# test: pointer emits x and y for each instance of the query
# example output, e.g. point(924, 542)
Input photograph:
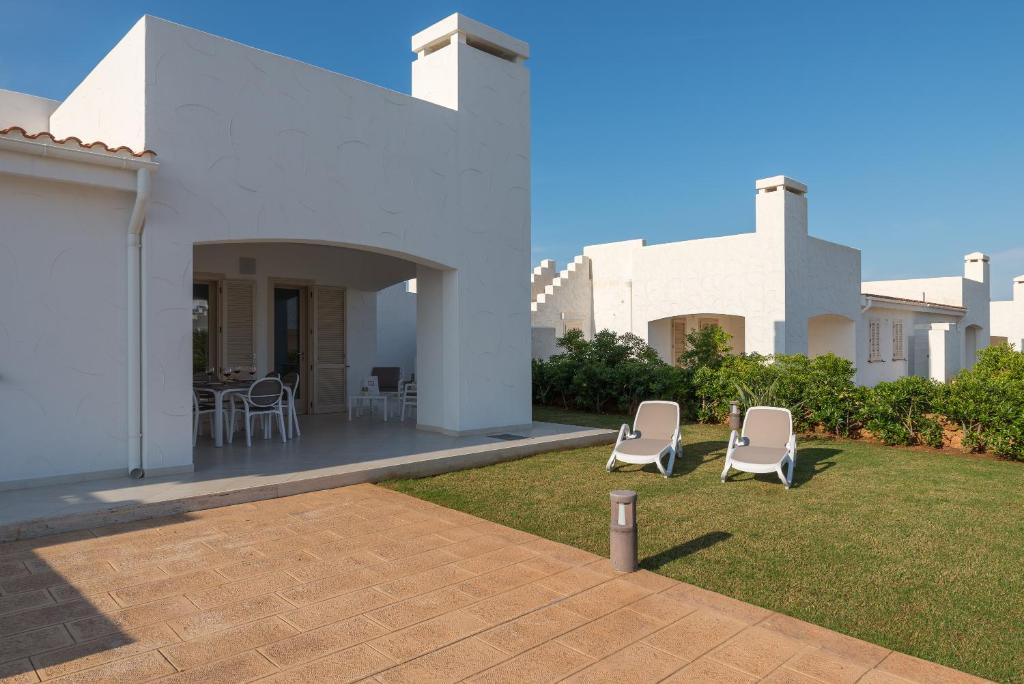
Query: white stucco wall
point(396, 328)
point(775, 278)
point(27, 111)
point(1007, 317)
point(62, 332)
point(255, 147)
point(566, 302)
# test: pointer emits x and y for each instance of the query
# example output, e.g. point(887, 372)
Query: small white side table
point(368, 399)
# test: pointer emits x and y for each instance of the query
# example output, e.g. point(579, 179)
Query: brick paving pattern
point(362, 583)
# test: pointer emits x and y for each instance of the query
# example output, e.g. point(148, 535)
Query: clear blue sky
point(906, 119)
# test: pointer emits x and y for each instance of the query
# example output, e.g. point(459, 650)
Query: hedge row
point(611, 373)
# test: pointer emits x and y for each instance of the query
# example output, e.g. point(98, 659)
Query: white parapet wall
point(1008, 317)
point(565, 304)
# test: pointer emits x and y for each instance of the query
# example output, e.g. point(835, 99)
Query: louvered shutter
point(678, 338)
point(238, 330)
point(329, 376)
point(874, 340)
point(898, 352)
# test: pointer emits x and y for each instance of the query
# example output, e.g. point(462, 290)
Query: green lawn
point(919, 552)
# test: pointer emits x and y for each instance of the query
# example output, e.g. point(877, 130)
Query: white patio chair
point(655, 435)
point(408, 397)
point(291, 381)
point(264, 400)
point(200, 409)
point(766, 444)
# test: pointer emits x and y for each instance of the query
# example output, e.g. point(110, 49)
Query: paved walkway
point(364, 583)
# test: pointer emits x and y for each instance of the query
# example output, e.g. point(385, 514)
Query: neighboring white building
point(1008, 317)
point(778, 290)
point(285, 199)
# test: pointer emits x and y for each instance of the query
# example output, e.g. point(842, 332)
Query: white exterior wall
point(1007, 317)
point(63, 355)
point(396, 328)
point(27, 111)
point(255, 147)
point(566, 302)
point(776, 278)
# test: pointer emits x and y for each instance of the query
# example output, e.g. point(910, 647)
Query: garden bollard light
point(622, 541)
point(734, 416)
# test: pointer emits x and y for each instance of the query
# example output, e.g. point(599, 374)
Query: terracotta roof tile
point(15, 131)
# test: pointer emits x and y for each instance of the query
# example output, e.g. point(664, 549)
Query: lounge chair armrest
point(623, 434)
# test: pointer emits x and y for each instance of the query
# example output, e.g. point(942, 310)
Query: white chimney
point(781, 206)
point(976, 267)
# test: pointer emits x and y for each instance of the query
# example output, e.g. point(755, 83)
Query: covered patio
point(331, 452)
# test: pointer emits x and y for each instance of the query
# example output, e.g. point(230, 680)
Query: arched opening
point(668, 335)
point(831, 333)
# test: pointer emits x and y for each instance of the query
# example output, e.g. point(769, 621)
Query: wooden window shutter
point(238, 330)
point(678, 339)
point(874, 340)
point(898, 353)
point(329, 362)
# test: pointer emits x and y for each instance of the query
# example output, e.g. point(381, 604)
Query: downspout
point(136, 376)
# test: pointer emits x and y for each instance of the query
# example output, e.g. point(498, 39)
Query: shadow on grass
point(692, 457)
point(810, 462)
point(683, 550)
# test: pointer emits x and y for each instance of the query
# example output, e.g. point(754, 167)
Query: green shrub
point(902, 412)
point(987, 401)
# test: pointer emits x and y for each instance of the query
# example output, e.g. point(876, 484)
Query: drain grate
point(506, 436)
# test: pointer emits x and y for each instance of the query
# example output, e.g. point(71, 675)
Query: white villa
point(277, 209)
point(1008, 317)
point(778, 290)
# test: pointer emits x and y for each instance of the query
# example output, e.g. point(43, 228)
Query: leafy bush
point(987, 401)
point(903, 412)
point(616, 372)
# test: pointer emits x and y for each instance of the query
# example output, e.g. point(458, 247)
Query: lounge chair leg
point(725, 470)
point(611, 463)
point(782, 475)
point(792, 465)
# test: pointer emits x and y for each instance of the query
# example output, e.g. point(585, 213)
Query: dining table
point(219, 390)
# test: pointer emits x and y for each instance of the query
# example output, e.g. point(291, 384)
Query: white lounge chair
point(766, 444)
point(655, 435)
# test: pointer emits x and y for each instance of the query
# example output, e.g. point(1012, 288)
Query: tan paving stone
point(449, 664)
point(239, 591)
point(245, 667)
point(756, 650)
point(784, 675)
point(663, 607)
point(93, 587)
point(635, 663)
point(562, 552)
point(337, 608)
point(18, 672)
point(502, 579)
point(738, 610)
point(604, 598)
point(424, 637)
point(493, 560)
point(917, 670)
point(169, 586)
point(106, 649)
point(695, 634)
point(138, 668)
point(349, 665)
point(24, 601)
point(533, 629)
point(608, 634)
point(422, 607)
point(827, 666)
point(27, 644)
point(320, 642)
point(222, 617)
point(880, 677)
point(259, 566)
point(130, 618)
point(230, 642)
point(12, 568)
point(707, 671)
point(512, 604)
point(846, 647)
point(575, 580)
point(549, 662)
point(427, 580)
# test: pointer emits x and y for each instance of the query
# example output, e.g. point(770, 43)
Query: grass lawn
point(919, 552)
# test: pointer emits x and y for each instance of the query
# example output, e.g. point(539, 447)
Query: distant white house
point(1008, 317)
point(274, 225)
point(778, 290)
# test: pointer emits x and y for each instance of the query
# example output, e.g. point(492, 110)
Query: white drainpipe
point(136, 369)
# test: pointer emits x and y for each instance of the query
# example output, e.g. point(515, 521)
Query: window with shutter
point(329, 371)
point(898, 353)
point(238, 298)
point(874, 340)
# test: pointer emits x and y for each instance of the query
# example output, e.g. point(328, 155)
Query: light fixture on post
point(622, 541)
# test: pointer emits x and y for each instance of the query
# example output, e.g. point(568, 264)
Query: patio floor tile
point(366, 584)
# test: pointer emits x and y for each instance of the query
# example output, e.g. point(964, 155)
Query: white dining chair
point(264, 400)
point(408, 397)
point(200, 409)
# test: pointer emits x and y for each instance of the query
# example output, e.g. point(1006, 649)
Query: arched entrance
point(668, 335)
